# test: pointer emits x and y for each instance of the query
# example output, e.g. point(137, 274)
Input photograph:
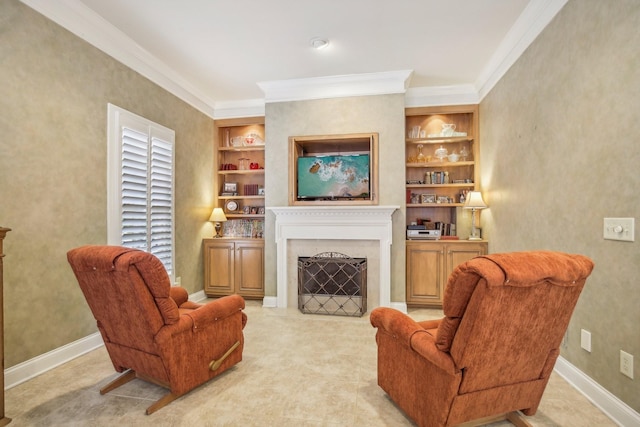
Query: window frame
point(119, 118)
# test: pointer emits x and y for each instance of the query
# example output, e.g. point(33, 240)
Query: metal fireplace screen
point(332, 283)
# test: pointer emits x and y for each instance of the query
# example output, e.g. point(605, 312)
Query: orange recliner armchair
point(149, 328)
point(493, 352)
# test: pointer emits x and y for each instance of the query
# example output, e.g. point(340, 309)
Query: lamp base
point(474, 238)
point(218, 227)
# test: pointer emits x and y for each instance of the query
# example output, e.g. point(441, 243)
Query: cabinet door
point(425, 270)
point(219, 261)
point(250, 268)
point(459, 253)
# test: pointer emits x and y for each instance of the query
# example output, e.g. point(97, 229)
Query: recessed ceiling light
point(318, 43)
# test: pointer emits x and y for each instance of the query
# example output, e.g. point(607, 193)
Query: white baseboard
point(270, 302)
point(198, 296)
point(40, 364)
point(400, 306)
point(621, 413)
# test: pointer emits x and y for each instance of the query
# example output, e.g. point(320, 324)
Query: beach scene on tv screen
point(343, 176)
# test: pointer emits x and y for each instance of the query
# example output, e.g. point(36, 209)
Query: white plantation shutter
point(133, 179)
point(141, 183)
point(161, 202)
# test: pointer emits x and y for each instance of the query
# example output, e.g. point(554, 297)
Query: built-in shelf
point(440, 140)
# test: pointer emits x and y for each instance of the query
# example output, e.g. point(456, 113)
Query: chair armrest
point(395, 323)
point(215, 310)
point(178, 294)
point(425, 345)
point(413, 335)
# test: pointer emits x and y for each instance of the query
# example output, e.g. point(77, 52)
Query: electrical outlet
point(585, 340)
point(626, 363)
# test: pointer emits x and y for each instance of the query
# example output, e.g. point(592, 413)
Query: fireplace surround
point(344, 223)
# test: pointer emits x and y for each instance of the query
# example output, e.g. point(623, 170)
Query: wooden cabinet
point(441, 150)
point(240, 146)
point(234, 266)
point(429, 264)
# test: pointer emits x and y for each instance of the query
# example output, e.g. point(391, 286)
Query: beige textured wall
point(560, 151)
point(383, 114)
point(54, 92)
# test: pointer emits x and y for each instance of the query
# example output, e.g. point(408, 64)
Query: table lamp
point(474, 202)
point(217, 216)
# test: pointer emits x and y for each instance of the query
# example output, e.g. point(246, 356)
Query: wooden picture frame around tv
point(340, 146)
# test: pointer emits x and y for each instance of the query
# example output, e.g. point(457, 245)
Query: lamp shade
point(474, 201)
point(217, 215)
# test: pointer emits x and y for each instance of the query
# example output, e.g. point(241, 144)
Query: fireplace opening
point(332, 283)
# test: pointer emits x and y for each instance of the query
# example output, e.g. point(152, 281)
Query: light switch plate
point(585, 340)
point(619, 229)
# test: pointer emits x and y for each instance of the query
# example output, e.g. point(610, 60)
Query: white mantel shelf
point(335, 223)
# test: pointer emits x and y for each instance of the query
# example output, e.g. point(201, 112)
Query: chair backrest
point(128, 291)
point(506, 315)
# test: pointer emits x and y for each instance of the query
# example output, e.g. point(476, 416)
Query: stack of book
point(251, 189)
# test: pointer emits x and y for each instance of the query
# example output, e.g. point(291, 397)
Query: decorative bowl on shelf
point(441, 153)
point(453, 157)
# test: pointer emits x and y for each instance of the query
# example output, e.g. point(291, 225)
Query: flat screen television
point(334, 177)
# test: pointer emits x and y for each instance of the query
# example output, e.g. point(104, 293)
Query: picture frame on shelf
point(261, 191)
point(246, 210)
point(261, 210)
point(230, 187)
point(428, 198)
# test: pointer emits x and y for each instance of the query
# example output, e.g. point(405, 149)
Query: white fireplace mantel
point(337, 223)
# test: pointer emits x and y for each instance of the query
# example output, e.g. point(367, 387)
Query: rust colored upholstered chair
point(149, 328)
point(493, 352)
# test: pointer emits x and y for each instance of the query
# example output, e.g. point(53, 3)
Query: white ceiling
point(218, 51)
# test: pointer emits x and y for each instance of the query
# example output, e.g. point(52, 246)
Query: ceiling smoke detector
point(318, 43)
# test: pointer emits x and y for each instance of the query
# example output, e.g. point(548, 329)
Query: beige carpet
point(298, 370)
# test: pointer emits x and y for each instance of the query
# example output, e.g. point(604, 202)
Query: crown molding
point(89, 26)
point(336, 86)
point(533, 20)
point(441, 95)
point(77, 18)
point(242, 108)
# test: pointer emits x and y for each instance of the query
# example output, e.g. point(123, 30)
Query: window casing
point(140, 185)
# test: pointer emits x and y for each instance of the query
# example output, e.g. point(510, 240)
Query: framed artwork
point(428, 198)
point(230, 187)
